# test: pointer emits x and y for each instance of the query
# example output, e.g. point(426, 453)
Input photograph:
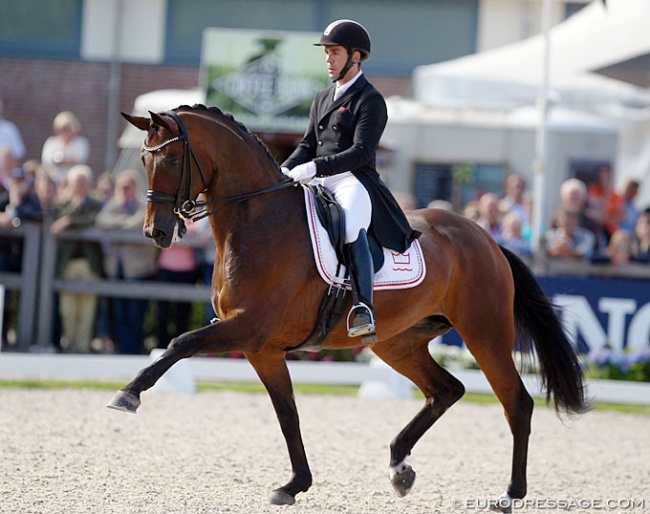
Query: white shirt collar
point(342, 89)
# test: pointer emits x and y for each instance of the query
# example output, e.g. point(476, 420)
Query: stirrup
point(366, 328)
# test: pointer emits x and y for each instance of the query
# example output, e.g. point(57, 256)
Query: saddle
point(331, 215)
point(334, 302)
point(327, 231)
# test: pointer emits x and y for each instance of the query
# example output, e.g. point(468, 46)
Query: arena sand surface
point(62, 451)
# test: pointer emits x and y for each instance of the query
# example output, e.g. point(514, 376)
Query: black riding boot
point(361, 320)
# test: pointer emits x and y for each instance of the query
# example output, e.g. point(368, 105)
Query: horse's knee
point(181, 347)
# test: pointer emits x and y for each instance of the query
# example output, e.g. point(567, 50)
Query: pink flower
point(342, 109)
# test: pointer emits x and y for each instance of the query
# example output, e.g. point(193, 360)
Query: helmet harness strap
point(347, 66)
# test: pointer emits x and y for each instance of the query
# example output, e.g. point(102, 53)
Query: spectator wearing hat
point(18, 204)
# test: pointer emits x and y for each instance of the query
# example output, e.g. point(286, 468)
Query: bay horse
point(266, 292)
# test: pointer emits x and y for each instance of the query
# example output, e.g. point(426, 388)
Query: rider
point(338, 152)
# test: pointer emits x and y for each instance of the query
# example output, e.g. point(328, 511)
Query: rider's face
point(336, 57)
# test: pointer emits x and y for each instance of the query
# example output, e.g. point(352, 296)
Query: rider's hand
point(303, 172)
point(285, 171)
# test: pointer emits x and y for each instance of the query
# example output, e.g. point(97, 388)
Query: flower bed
point(605, 363)
point(610, 364)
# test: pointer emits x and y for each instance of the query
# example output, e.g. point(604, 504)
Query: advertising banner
point(266, 80)
point(597, 312)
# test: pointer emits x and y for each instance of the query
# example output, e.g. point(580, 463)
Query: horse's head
point(174, 175)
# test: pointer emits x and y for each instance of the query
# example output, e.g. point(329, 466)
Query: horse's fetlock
point(517, 491)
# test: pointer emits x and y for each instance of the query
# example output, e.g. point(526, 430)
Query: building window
point(34, 28)
point(457, 183)
point(417, 31)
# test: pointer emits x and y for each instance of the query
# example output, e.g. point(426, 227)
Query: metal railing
point(38, 282)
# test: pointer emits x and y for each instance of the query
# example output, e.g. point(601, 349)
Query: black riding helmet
point(349, 34)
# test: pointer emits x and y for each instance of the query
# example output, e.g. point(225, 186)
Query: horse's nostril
point(157, 234)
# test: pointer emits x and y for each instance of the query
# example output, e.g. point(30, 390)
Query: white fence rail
point(375, 378)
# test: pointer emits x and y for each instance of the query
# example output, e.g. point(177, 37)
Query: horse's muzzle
point(160, 238)
point(165, 236)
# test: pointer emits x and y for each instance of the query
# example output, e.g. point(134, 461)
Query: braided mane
point(238, 124)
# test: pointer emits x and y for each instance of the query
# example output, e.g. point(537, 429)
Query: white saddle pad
point(400, 270)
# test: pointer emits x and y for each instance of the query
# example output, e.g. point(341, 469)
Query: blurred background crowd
point(462, 92)
point(61, 191)
point(594, 223)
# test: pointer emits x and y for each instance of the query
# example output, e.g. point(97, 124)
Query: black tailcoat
point(343, 135)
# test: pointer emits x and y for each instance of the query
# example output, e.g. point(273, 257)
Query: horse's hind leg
point(500, 371)
point(409, 355)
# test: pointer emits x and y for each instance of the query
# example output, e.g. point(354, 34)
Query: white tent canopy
point(594, 38)
point(509, 78)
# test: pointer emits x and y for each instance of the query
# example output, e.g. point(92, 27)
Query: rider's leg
point(356, 204)
point(361, 276)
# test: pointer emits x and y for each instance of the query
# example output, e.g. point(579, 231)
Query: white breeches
point(354, 200)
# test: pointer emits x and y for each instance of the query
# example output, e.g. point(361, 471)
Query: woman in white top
point(66, 148)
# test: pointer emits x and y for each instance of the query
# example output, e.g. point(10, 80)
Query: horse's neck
point(277, 213)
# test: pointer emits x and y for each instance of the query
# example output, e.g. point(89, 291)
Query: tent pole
point(539, 164)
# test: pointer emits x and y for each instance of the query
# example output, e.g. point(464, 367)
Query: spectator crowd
point(593, 223)
point(62, 192)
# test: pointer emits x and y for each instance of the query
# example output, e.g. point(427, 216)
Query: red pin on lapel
point(342, 109)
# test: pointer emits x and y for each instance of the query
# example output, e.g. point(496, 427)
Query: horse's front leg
point(220, 337)
point(274, 374)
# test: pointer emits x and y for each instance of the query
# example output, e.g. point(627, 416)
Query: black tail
point(538, 325)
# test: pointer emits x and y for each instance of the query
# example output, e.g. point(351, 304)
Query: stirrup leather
point(362, 330)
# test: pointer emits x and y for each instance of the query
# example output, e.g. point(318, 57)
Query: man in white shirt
point(12, 148)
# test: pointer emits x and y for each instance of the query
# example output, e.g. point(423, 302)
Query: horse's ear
point(137, 121)
point(158, 120)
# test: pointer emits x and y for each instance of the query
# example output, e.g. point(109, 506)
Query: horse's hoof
point(279, 497)
point(125, 402)
point(402, 479)
point(503, 504)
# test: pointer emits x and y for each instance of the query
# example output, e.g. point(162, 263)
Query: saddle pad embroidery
point(400, 270)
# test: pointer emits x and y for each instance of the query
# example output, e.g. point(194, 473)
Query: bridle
point(184, 205)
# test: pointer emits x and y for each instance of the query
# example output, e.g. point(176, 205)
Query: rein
point(184, 205)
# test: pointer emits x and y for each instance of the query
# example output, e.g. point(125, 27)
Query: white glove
point(303, 173)
point(285, 171)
